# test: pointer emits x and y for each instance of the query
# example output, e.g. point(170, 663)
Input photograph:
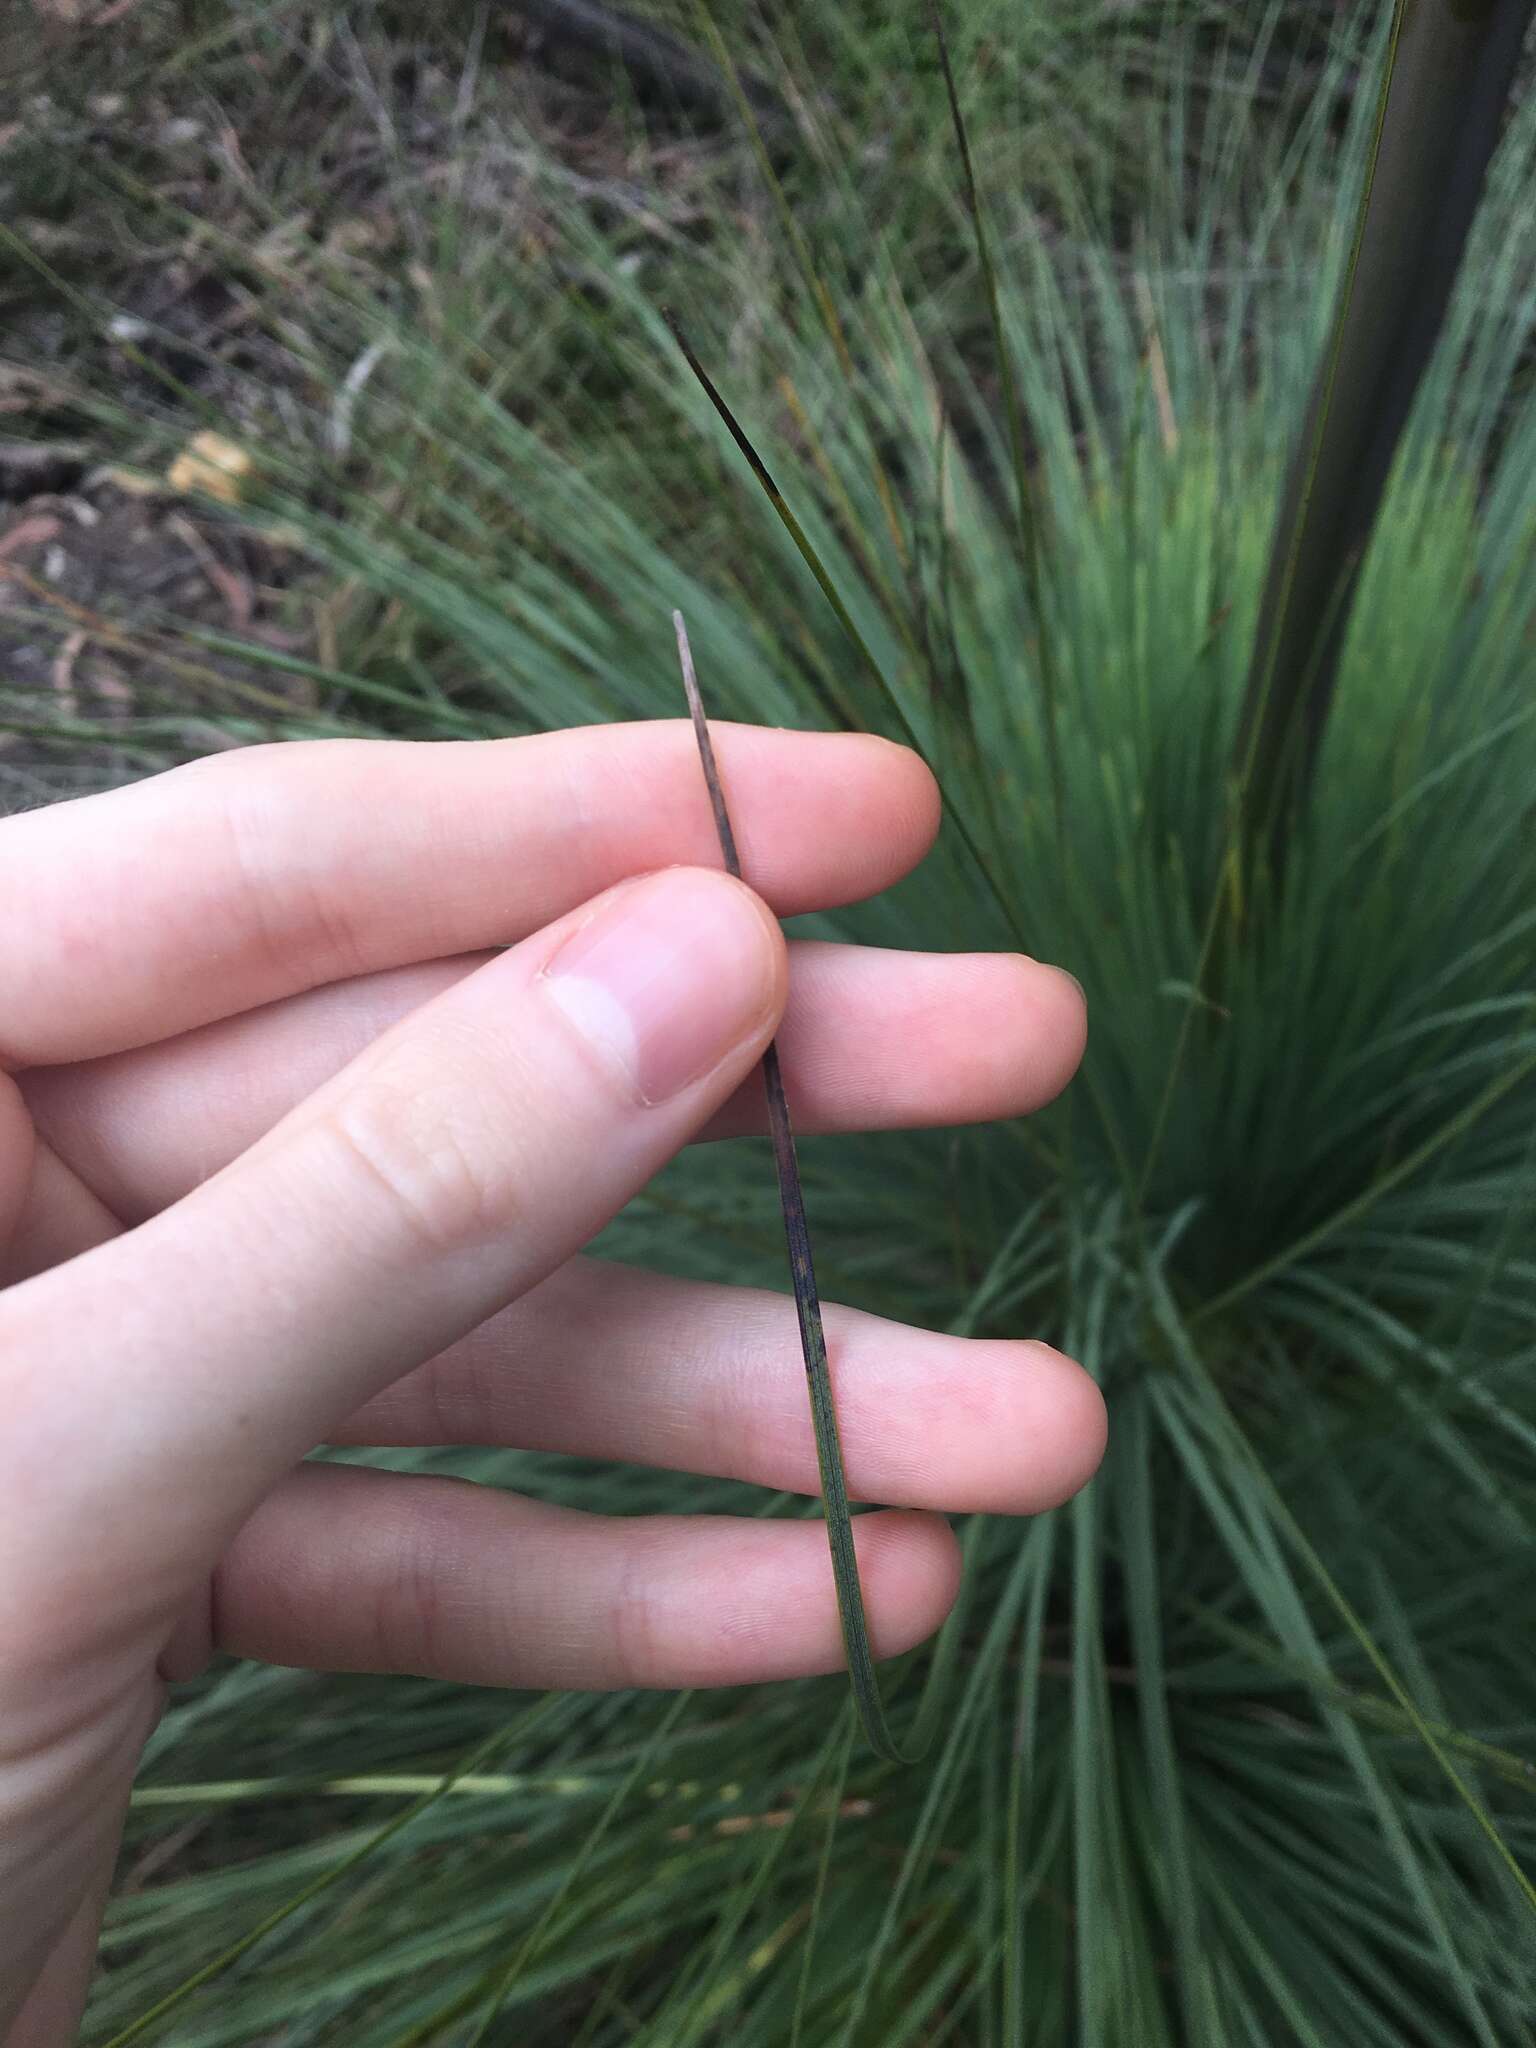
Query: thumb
point(177, 1371)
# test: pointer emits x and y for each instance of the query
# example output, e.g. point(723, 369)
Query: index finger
point(233, 881)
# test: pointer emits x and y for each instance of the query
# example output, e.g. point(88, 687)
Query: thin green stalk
point(823, 1871)
point(392, 1785)
point(1019, 1806)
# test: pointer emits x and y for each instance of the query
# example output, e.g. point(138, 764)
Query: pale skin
point(319, 1064)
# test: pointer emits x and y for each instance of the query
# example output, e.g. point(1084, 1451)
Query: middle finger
point(607, 1361)
point(871, 1040)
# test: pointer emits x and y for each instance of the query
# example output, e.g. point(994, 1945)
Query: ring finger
point(345, 1569)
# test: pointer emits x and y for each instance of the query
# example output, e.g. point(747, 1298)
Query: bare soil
point(157, 180)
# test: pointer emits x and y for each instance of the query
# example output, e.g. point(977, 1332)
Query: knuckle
point(424, 1152)
point(639, 1657)
point(289, 919)
point(413, 1599)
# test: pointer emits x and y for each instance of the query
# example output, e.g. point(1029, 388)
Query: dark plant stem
point(813, 1343)
point(1450, 65)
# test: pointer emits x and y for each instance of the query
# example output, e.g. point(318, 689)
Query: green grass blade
point(493, 1745)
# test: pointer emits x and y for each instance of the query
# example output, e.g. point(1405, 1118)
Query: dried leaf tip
point(706, 749)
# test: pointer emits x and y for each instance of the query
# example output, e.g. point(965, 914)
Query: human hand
point(285, 1160)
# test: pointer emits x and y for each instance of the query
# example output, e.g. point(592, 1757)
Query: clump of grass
point(1237, 1747)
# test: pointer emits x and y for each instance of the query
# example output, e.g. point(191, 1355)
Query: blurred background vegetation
point(335, 397)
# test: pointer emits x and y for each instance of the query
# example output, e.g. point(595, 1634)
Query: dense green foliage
point(1232, 1749)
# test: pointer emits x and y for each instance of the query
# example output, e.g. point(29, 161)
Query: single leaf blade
point(813, 1343)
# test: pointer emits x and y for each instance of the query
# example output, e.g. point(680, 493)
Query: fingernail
point(667, 977)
